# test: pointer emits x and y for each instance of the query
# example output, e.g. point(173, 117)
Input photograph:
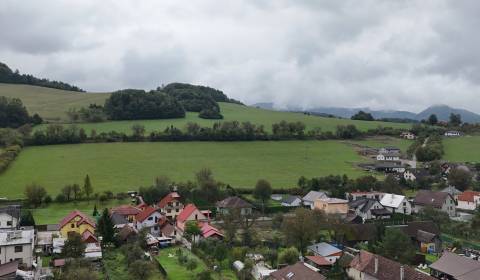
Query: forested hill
point(182, 88)
point(14, 77)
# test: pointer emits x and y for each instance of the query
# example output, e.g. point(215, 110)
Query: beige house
point(17, 245)
point(332, 206)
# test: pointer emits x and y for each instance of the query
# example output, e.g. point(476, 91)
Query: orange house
point(332, 206)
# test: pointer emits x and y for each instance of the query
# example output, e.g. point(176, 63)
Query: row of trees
point(14, 114)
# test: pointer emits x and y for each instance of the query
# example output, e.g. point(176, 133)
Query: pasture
point(121, 167)
point(462, 149)
point(383, 141)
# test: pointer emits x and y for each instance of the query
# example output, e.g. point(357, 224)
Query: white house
point(452, 133)
point(291, 201)
point(367, 208)
point(17, 245)
point(414, 174)
point(468, 200)
point(440, 200)
point(408, 135)
point(388, 156)
point(149, 218)
point(9, 217)
point(311, 196)
point(396, 203)
point(323, 249)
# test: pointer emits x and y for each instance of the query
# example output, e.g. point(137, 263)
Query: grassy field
point(52, 104)
point(462, 149)
point(175, 271)
point(126, 166)
point(378, 142)
point(55, 212)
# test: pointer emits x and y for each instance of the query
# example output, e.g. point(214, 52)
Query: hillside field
point(462, 149)
point(52, 104)
point(126, 166)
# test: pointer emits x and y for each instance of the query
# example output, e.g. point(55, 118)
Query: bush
point(60, 198)
point(121, 196)
point(47, 199)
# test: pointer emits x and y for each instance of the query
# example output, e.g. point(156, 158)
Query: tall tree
point(74, 246)
point(138, 130)
point(460, 178)
point(87, 187)
point(301, 228)
point(288, 256)
point(105, 227)
point(397, 245)
point(34, 194)
point(262, 192)
point(192, 229)
point(455, 119)
point(26, 219)
point(77, 191)
point(432, 119)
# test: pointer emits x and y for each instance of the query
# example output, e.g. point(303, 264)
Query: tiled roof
point(125, 232)
point(186, 212)
point(386, 268)
point(83, 219)
point(461, 268)
point(126, 210)
point(319, 260)
point(208, 230)
point(145, 213)
point(431, 198)
point(468, 196)
point(168, 198)
point(233, 202)
point(311, 196)
point(297, 271)
point(7, 269)
point(88, 236)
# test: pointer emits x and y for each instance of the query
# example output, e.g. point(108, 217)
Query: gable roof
point(324, 249)
point(459, 267)
point(233, 202)
point(125, 232)
point(208, 230)
point(89, 237)
point(168, 198)
point(363, 204)
point(451, 190)
point(126, 210)
point(392, 200)
point(387, 269)
point(12, 210)
point(145, 213)
point(297, 271)
point(8, 268)
point(319, 260)
point(118, 219)
point(186, 212)
point(290, 199)
point(468, 196)
point(431, 198)
point(83, 219)
point(311, 196)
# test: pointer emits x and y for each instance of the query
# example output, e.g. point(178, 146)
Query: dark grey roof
point(381, 212)
point(461, 268)
point(118, 219)
point(12, 210)
point(233, 202)
point(425, 237)
point(365, 204)
point(388, 164)
point(290, 199)
point(431, 198)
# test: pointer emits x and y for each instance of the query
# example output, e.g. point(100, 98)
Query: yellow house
point(80, 223)
point(333, 206)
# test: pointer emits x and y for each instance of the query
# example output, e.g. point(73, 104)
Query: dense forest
point(13, 114)
point(14, 77)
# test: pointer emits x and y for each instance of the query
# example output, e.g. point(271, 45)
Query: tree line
point(14, 77)
point(13, 114)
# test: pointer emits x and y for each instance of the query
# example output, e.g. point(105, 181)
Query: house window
point(155, 228)
point(72, 225)
point(9, 223)
point(150, 218)
point(196, 217)
point(169, 211)
point(18, 249)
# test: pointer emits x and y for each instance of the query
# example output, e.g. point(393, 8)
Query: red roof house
point(171, 205)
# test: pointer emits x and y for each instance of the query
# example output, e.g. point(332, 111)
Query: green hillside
point(125, 166)
point(52, 104)
point(462, 149)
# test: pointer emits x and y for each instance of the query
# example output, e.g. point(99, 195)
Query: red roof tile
point(145, 213)
point(186, 212)
point(319, 260)
point(168, 198)
point(468, 196)
point(88, 237)
point(83, 219)
point(208, 230)
point(126, 210)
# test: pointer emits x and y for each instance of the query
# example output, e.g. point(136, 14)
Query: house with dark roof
point(390, 166)
point(454, 267)
point(367, 209)
point(425, 235)
point(149, 218)
point(291, 201)
point(468, 200)
point(365, 194)
point(298, 271)
point(439, 200)
point(127, 234)
point(171, 205)
point(415, 174)
point(8, 271)
point(366, 265)
point(10, 216)
point(128, 212)
point(234, 203)
point(119, 220)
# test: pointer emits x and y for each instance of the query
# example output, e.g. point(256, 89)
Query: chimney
point(376, 265)
point(402, 273)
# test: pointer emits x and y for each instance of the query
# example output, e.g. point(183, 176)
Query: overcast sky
point(378, 54)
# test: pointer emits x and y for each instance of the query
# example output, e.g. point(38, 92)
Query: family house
point(390, 166)
point(128, 212)
point(17, 245)
point(388, 156)
point(298, 271)
point(234, 203)
point(311, 196)
point(191, 213)
point(438, 200)
point(396, 203)
point(291, 201)
point(389, 149)
point(149, 219)
point(119, 221)
point(452, 133)
point(454, 192)
point(371, 194)
point(367, 208)
point(454, 267)
point(332, 206)
point(80, 223)
point(408, 135)
point(366, 265)
point(415, 174)
point(44, 240)
point(10, 216)
point(171, 205)
point(468, 200)
point(323, 249)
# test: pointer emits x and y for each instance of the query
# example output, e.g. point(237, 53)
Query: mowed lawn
point(384, 141)
point(462, 149)
point(126, 166)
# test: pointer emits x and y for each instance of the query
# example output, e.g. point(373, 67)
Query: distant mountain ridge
point(442, 111)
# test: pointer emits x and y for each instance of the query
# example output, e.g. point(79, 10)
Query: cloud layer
point(380, 54)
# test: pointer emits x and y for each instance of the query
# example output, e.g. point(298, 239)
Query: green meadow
point(462, 149)
point(126, 166)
